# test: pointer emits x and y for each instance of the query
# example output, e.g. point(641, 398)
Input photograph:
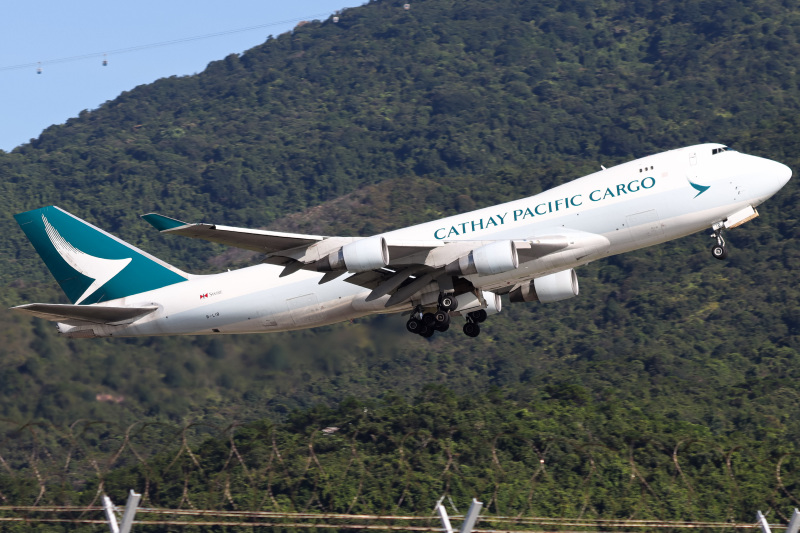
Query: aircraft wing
point(412, 263)
point(250, 239)
point(83, 315)
point(273, 242)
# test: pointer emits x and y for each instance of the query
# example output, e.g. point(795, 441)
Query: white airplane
point(456, 266)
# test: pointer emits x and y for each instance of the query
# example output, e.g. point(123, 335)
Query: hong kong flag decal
point(202, 296)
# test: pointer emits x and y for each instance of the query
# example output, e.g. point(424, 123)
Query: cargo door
point(303, 309)
point(644, 226)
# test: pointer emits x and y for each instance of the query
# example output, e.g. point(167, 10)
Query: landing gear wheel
point(441, 317)
point(471, 329)
point(442, 327)
point(719, 252)
point(448, 302)
point(414, 325)
point(429, 319)
point(428, 332)
point(479, 316)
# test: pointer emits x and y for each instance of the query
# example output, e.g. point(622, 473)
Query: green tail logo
point(89, 264)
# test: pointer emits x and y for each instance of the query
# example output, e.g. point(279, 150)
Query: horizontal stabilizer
point(82, 315)
point(249, 239)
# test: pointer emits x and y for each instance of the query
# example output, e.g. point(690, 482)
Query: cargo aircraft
point(458, 266)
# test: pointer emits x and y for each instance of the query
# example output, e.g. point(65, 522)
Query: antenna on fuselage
point(602, 167)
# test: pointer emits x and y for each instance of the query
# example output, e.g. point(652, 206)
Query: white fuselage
point(627, 207)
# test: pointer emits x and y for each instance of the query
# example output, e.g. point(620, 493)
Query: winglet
point(162, 223)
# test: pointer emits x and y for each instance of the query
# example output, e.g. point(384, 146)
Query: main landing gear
point(426, 324)
point(471, 328)
point(719, 250)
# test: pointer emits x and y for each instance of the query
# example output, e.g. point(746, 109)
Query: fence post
point(443, 516)
point(108, 507)
point(472, 516)
point(794, 523)
point(130, 512)
point(127, 517)
point(762, 522)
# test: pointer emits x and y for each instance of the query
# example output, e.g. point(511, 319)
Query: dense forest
point(392, 116)
point(571, 457)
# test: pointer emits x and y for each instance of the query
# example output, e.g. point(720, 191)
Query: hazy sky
point(49, 31)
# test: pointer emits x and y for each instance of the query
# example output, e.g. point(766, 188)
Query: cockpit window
point(716, 151)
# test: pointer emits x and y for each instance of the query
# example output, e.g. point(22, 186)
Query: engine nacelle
point(552, 288)
point(494, 258)
point(494, 304)
point(359, 256)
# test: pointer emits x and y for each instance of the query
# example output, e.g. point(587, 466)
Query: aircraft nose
point(766, 177)
point(782, 173)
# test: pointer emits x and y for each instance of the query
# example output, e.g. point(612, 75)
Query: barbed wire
point(145, 516)
point(266, 472)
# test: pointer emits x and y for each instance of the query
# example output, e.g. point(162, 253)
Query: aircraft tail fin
point(91, 265)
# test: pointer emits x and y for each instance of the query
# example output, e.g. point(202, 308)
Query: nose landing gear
point(719, 250)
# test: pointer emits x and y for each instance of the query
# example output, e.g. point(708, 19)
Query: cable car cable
point(157, 45)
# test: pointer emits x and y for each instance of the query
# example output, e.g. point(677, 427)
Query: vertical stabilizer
point(91, 265)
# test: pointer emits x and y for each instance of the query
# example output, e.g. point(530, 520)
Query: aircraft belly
point(249, 300)
point(275, 312)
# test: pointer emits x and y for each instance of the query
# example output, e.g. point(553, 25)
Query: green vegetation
point(391, 117)
point(558, 454)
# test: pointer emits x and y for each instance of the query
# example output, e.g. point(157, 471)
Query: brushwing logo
point(699, 188)
point(100, 270)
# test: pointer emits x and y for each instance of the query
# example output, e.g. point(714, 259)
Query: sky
point(70, 38)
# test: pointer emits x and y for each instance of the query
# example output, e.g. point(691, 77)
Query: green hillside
point(563, 456)
point(394, 116)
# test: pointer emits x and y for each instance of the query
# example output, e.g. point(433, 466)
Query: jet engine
point(552, 288)
point(494, 258)
point(494, 304)
point(358, 256)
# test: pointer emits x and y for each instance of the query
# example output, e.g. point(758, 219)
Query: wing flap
point(83, 315)
point(370, 279)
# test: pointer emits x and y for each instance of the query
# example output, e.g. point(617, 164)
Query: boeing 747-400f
point(456, 266)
